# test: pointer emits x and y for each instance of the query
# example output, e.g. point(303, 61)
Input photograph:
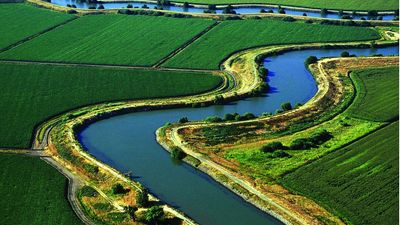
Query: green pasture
point(358, 182)
point(231, 36)
point(33, 93)
point(111, 39)
point(33, 193)
point(19, 21)
point(378, 94)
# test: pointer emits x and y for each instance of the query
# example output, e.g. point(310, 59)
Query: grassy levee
point(111, 39)
point(231, 36)
point(33, 93)
point(20, 21)
point(358, 182)
point(323, 4)
point(32, 193)
point(377, 97)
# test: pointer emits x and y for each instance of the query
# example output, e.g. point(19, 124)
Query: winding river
point(238, 10)
point(127, 143)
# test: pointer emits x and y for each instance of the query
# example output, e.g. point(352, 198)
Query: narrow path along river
point(238, 10)
point(127, 143)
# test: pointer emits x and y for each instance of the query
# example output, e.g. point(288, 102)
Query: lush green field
point(33, 93)
point(19, 21)
point(358, 182)
point(378, 94)
point(111, 39)
point(32, 193)
point(231, 36)
point(323, 4)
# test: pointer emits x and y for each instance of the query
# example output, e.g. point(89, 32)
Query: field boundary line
point(185, 45)
point(111, 66)
point(22, 41)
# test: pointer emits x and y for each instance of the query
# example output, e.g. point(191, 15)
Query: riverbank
point(159, 12)
point(69, 124)
point(303, 210)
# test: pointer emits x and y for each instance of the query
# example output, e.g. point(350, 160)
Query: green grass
point(33, 193)
point(327, 4)
point(358, 182)
point(33, 93)
point(231, 36)
point(111, 39)
point(19, 21)
point(377, 97)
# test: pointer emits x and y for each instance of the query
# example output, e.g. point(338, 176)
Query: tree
point(311, 60)
point(183, 120)
point(212, 7)
point(129, 6)
point(281, 11)
point(131, 211)
point(248, 116)
point(304, 14)
point(271, 147)
point(219, 99)
point(142, 198)
point(177, 153)
point(324, 12)
point(154, 215)
point(280, 154)
point(185, 5)
point(100, 6)
point(286, 106)
point(118, 189)
point(228, 117)
point(345, 54)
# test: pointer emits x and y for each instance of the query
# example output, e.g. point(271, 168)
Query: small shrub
point(183, 120)
point(118, 189)
point(311, 60)
point(154, 215)
point(88, 191)
point(229, 117)
point(286, 106)
point(271, 147)
point(142, 198)
point(280, 154)
point(289, 19)
point(213, 119)
point(219, 99)
point(345, 54)
point(177, 153)
point(71, 11)
point(129, 6)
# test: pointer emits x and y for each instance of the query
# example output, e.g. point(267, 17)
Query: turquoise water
point(127, 143)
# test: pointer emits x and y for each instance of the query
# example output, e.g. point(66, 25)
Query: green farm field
point(359, 182)
point(33, 193)
point(111, 39)
point(34, 93)
point(377, 97)
point(322, 4)
point(230, 36)
point(19, 21)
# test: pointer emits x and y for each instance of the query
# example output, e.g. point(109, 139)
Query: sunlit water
point(127, 143)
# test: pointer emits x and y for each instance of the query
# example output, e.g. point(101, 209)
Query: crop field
point(323, 4)
point(32, 193)
point(19, 21)
point(231, 36)
point(358, 182)
point(111, 39)
point(378, 97)
point(33, 93)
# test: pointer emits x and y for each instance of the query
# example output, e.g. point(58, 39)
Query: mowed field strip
point(210, 49)
point(323, 4)
point(32, 192)
point(359, 182)
point(376, 101)
point(111, 39)
point(20, 21)
point(34, 93)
